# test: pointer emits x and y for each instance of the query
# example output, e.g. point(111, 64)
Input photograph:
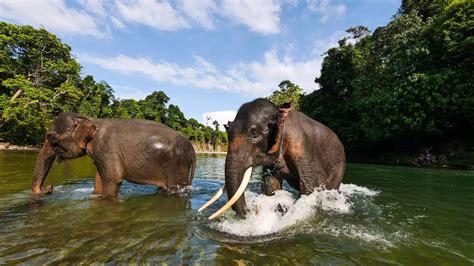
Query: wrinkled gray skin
point(303, 151)
point(139, 151)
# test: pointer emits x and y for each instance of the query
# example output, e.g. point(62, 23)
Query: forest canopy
point(402, 87)
point(409, 82)
point(39, 78)
point(398, 88)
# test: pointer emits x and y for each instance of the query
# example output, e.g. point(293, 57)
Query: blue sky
point(208, 56)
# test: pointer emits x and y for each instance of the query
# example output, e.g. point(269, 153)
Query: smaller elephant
point(298, 149)
point(139, 151)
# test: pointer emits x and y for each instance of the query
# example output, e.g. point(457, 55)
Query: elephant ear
point(228, 125)
point(83, 131)
point(52, 137)
point(283, 112)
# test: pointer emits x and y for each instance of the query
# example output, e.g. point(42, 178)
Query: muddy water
point(381, 215)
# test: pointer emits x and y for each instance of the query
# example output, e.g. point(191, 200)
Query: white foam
point(351, 189)
point(265, 218)
point(357, 232)
point(84, 190)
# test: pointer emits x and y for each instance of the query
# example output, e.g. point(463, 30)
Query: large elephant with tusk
point(140, 151)
point(300, 150)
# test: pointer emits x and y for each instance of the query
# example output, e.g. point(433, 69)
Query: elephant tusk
point(213, 199)
point(240, 191)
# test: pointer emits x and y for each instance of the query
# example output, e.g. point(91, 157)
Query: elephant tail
point(192, 169)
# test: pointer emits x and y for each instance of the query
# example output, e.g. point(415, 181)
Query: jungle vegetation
point(398, 89)
point(403, 87)
point(39, 78)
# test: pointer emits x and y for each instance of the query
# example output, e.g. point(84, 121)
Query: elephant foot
point(270, 185)
point(43, 190)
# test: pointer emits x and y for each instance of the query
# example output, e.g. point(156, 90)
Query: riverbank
point(211, 152)
point(12, 147)
point(448, 159)
point(199, 148)
point(451, 155)
point(208, 148)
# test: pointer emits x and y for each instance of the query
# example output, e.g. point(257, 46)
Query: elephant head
point(67, 139)
point(255, 139)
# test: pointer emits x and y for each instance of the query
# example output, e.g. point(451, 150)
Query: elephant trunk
point(44, 162)
point(235, 168)
point(238, 170)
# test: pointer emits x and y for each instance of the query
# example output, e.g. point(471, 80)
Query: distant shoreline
point(5, 146)
point(389, 159)
point(211, 152)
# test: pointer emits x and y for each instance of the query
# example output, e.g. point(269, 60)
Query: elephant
point(139, 151)
point(298, 149)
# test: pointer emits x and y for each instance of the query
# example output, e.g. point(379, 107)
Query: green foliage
point(154, 106)
point(39, 79)
point(333, 104)
point(410, 82)
point(128, 108)
point(425, 8)
point(288, 93)
point(175, 118)
point(97, 99)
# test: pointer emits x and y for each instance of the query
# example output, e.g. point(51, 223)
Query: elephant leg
point(110, 188)
point(291, 176)
point(111, 178)
point(271, 184)
point(309, 178)
point(97, 184)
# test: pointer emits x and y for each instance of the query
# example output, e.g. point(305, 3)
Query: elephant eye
point(255, 137)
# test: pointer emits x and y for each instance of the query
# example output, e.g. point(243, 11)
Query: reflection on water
point(380, 215)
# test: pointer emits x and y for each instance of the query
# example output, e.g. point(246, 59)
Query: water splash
point(269, 215)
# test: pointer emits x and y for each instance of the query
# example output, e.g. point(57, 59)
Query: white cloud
point(254, 78)
point(326, 8)
point(206, 66)
point(94, 17)
point(220, 116)
point(101, 10)
point(269, 73)
point(160, 15)
point(117, 23)
point(321, 46)
point(54, 15)
point(262, 16)
point(94, 6)
point(200, 11)
point(257, 78)
point(126, 92)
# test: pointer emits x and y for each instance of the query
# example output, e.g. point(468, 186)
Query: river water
point(381, 215)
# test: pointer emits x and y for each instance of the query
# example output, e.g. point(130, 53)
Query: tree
point(38, 78)
point(408, 83)
point(333, 104)
point(216, 125)
point(287, 93)
point(358, 32)
point(154, 106)
point(175, 118)
point(97, 98)
point(128, 108)
point(424, 8)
